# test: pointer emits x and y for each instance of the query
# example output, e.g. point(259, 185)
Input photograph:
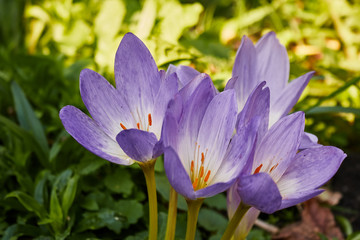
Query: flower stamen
point(207, 176)
point(273, 167)
point(149, 119)
point(122, 125)
point(257, 170)
point(138, 126)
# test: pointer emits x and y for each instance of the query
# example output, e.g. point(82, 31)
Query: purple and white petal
point(137, 144)
point(136, 75)
point(286, 100)
point(272, 64)
point(308, 140)
point(279, 145)
point(299, 198)
point(258, 104)
point(88, 133)
point(216, 130)
point(167, 91)
point(260, 191)
point(177, 175)
point(310, 169)
point(244, 70)
point(191, 118)
point(189, 89)
point(185, 74)
point(214, 189)
point(104, 103)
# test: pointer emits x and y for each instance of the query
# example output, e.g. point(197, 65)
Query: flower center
point(197, 170)
point(140, 125)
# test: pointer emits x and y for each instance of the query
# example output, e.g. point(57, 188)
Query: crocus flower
point(279, 176)
point(268, 61)
point(200, 161)
point(127, 120)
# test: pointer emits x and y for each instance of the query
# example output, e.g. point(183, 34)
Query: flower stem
point(149, 172)
point(171, 221)
point(193, 212)
point(235, 220)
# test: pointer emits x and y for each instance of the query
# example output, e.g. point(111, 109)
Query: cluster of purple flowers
point(241, 140)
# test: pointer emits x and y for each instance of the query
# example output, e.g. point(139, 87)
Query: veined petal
point(257, 104)
point(177, 175)
point(185, 74)
point(239, 154)
point(308, 140)
point(286, 100)
point(137, 144)
point(86, 132)
point(189, 88)
point(279, 146)
point(309, 170)
point(272, 64)
point(216, 130)
point(299, 198)
point(260, 191)
point(103, 102)
point(136, 74)
point(191, 118)
point(167, 91)
point(214, 189)
point(170, 131)
point(244, 72)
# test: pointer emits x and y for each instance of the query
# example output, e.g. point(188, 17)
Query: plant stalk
point(149, 172)
point(235, 220)
point(172, 212)
point(193, 212)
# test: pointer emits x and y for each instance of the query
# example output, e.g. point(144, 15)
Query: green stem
point(193, 212)
point(171, 221)
point(149, 172)
point(235, 220)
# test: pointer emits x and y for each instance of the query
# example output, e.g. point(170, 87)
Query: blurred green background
point(53, 188)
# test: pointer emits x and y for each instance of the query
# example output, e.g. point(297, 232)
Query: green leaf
point(344, 224)
point(27, 117)
point(119, 181)
point(131, 209)
point(218, 201)
point(336, 109)
point(56, 213)
point(29, 203)
point(354, 236)
point(212, 220)
point(69, 194)
point(147, 19)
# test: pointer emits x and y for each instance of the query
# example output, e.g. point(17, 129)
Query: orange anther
point(201, 171)
point(192, 166)
point(122, 125)
point(207, 176)
point(149, 119)
point(273, 167)
point(202, 158)
point(257, 170)
point(138, 125)
point(195, 183)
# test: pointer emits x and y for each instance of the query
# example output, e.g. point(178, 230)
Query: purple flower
point(268, 61)
point(127, 120)
point(200, 161)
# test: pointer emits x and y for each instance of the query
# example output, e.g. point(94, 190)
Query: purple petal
point(260, 191)
point(104, 103)
point(299, 198)
point(176, 174)
point(191, 118)
point(170, 131)
point(216, 129)
point(185, 74)
point(287, 98)
point(239, 153)
point(308, 140)
point(137, 144)
point(257, 104)
point(309, 170)
point(272, 64)
point(85, 130)
point(189, 89)
point(279, 146)
point(168, 89)
point(136, 74)
point(244, 71)
point(214, 189)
